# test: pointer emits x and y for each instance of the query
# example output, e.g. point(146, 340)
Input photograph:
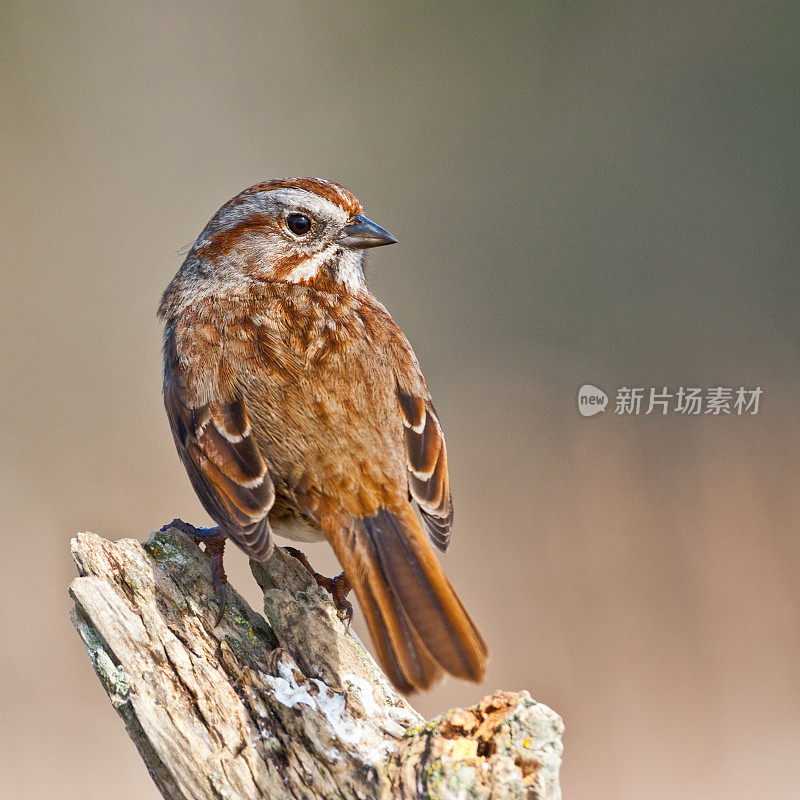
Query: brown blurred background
point(582, 193)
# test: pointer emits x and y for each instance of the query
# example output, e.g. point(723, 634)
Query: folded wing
point(225, 466)
point(426, 461)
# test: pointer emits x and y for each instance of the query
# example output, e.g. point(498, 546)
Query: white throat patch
point(346, 267)
point(351, 270)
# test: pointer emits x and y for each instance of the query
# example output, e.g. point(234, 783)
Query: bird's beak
point(362, 232)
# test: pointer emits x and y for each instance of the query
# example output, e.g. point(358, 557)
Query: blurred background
point(594, 193)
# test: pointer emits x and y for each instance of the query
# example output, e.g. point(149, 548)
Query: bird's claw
point(338, 586)
point(214, 541)
point(215, 549)
point(198, 534)
point(179, 524)
point(221, 593)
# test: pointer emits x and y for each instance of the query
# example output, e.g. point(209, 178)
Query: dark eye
point(298, 224)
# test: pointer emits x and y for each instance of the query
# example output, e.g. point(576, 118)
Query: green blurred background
point(582, 193)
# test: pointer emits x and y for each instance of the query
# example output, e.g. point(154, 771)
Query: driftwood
point(288, 705)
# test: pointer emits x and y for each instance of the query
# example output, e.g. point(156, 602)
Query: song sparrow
point(297, 405)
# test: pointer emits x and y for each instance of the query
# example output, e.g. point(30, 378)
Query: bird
point(298, 408)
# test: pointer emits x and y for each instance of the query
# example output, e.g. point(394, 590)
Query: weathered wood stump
point(285, 705)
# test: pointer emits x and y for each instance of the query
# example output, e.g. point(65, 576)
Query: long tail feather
point(416, 620)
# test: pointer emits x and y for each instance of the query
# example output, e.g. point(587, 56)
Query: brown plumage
point(297, 405)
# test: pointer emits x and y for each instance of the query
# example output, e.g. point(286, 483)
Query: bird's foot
point(198, 534)
point(338, 586)
point(213, 540)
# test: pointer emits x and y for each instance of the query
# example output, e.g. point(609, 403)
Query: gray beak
point(362, 233)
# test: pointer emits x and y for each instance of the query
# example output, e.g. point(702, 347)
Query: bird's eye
point(298, 224)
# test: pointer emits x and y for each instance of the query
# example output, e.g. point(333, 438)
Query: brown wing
point(426, 460)
point(225, 466)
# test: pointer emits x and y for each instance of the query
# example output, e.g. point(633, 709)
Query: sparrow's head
point(297, 230)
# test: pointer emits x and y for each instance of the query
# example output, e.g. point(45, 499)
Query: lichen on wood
point(288, 704)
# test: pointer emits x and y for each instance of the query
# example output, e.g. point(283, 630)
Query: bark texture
point(284, 705)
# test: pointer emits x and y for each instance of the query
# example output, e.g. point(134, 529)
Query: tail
point(418, 625)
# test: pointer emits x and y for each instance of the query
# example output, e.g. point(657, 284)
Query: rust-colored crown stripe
point(326, 189)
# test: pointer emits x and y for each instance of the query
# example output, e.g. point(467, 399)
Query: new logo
point(591, 400)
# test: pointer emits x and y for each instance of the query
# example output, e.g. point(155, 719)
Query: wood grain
point(287, 704)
